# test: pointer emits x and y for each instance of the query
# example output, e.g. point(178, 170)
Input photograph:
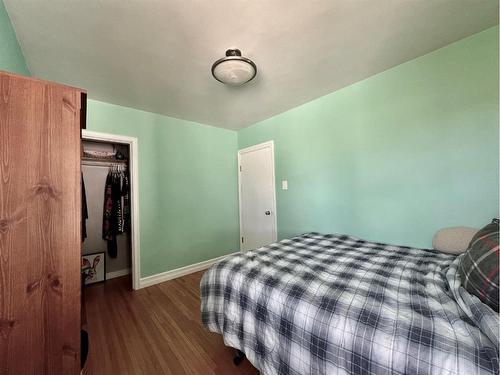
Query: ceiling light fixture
point(234, 69)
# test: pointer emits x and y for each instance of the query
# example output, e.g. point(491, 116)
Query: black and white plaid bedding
point(331, 304)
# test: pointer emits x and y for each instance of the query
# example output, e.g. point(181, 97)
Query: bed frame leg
point(240, 356)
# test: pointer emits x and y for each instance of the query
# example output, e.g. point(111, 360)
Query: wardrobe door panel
point(39, 227)
point(15, 325)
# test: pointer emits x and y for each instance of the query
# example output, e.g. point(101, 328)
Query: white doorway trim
point(268, 144)
point(134, 193)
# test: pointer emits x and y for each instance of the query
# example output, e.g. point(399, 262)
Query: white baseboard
point(112, 275)
point(178, 272)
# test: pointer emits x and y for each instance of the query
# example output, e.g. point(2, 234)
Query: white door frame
point(268, 144)
point(134, 193)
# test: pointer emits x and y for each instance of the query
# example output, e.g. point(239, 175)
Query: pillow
point(453, 240)
point(478, 268)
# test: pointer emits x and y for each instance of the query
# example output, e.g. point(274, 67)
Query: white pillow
point(454, 240)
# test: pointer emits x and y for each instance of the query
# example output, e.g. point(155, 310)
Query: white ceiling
point(156, 55)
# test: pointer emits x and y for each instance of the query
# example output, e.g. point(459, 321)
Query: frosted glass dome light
point(234, 69)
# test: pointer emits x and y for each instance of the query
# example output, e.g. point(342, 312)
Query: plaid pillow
point(478, 267)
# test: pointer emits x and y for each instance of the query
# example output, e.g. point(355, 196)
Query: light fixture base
point(233, 52)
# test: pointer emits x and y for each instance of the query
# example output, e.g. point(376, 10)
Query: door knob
point(268, 213)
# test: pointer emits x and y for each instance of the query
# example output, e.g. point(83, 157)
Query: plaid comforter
point(329, 304)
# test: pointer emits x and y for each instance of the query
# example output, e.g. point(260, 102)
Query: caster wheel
point(240, 356)
point(237, 360)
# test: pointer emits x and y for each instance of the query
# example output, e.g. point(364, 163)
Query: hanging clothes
point(117, 203)
point(125, 202)
point(107, 217)
point(116, 211)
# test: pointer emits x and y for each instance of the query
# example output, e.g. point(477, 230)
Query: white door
point(257, 196)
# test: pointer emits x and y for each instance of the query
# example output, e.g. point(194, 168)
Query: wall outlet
point(284, 185)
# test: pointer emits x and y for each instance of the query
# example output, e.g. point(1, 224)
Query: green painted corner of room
point(397, 156)
point(188, 193)
point(11, 56)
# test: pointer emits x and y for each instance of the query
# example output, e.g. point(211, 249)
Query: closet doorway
point(98, 160)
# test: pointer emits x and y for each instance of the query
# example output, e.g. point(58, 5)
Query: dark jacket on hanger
point(108, 221)
point(125, 203)
point(115, 215)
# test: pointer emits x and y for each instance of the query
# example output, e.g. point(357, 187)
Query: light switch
point(284, 185)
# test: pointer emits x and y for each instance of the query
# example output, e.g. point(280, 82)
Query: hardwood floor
point(156, 330)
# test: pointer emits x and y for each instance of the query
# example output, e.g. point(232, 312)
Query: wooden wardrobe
point(40, 226)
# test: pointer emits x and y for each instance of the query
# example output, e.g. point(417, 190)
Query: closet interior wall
point(95, 179)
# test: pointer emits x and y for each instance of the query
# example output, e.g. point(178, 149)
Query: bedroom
point(383, 131)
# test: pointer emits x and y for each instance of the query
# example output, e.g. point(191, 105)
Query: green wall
point(397, 156)
point(187, 185)
point(11, 56)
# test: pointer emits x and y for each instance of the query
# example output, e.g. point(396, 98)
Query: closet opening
point(109, 208)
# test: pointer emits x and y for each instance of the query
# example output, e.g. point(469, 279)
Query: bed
point(336, 304)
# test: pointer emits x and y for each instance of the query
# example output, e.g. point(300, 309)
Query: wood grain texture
point(39, 227)
point(156, 330)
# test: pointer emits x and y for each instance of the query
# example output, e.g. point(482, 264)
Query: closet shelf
point(103, 161)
